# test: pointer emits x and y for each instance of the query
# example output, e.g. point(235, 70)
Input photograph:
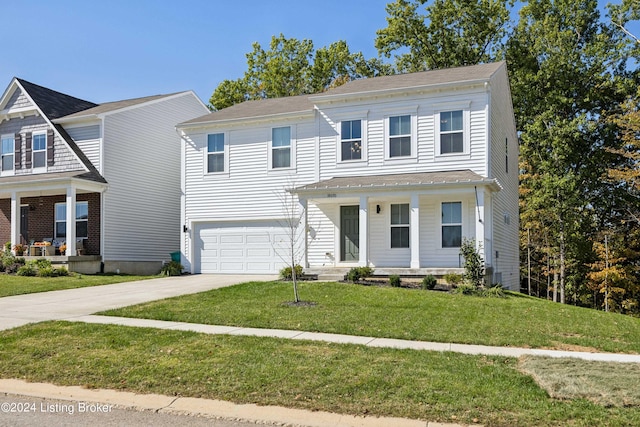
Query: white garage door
point(240, 248)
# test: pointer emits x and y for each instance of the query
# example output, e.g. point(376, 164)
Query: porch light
point(184, 229)
point(378, 209)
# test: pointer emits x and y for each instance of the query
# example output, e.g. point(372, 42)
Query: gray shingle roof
point(54, 104)
point(393, 181)
point(117, 105)
point(257, 108)
point(305, 103)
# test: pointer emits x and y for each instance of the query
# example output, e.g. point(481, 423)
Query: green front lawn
point(402, 313)
point(18, 285)
point(349, 379)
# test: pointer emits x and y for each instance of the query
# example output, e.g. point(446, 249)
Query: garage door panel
point(239, 247)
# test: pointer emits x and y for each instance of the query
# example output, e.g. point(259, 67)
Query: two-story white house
point(391, 172)
point(102, 179)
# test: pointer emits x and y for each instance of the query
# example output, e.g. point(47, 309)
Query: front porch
point(84, 264)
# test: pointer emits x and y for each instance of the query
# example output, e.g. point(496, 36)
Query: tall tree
point(449, 33)
point(293, 67)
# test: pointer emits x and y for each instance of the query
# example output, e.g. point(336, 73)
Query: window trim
point(225, 153)
point(56, 220)
point(413, 116)
point(341, 141)
point(11, 171)
point(466, 124)
point(393, 226)
point(292, 149)
point(33, 151)
point(443, 224)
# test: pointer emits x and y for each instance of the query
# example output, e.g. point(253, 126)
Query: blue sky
point(117, 49)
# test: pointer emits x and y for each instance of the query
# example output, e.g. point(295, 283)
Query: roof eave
point(248, 119)
point(490, 183)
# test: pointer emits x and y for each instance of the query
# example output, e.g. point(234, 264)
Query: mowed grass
point(18, 285)
point(412, 314)
point(349, 379)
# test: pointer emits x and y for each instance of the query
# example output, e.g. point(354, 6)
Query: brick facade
point(42, 219)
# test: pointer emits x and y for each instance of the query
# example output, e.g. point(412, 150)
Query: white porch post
point(15, 219)
point(305, 233)
point(364, 232)
point(480, 222)
point(71, 221)
point(414, 227)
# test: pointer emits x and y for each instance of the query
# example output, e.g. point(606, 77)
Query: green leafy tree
point(444, 33)
point(293, 67)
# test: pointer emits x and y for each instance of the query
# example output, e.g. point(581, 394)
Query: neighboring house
point(104, 179)
point(392, 172)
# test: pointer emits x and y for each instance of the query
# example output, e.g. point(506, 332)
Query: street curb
point(205, 407)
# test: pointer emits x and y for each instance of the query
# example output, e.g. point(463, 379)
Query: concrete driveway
point(20, 310)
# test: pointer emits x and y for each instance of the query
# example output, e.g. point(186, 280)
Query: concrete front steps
point(339, 273)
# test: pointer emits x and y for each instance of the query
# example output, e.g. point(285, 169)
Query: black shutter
point(17, 158)
point(50, 150)
point(28, 150)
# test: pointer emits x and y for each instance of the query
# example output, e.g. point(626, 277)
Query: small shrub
point(27, 270)
point(453, 279)
point(357, 273)
point(173, 268)
point(494, 291)
point(394, 281)
point(465, 288)
point(429, 282)
point(41, 263)
point(286, 273)
point(47, 272)
point(473, 263)
point(7, 247)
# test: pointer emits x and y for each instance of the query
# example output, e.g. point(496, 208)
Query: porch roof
point(399, 181)
point(51, 183)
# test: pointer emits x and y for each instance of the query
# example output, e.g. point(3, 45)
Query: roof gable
point(53, 104)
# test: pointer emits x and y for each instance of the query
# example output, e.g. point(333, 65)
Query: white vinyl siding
point(141, 213)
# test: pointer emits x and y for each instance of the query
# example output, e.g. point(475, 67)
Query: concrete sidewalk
point(351, 339)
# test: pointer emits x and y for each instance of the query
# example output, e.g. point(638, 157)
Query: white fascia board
point(247, 120)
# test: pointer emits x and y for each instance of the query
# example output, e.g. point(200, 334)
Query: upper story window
point(400, 225)
point(215, 153)
point(400, 136)
point(281, 147)
point(39, 150)
point(351, 140)
point(82, 221)
point(451, 224)
point(7, 150)
point(451, 132)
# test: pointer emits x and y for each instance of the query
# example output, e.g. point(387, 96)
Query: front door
point(24, 224)
point(349, 233)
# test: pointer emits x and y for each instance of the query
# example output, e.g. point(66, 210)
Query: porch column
point(364, 232)
point(15, 220)
point(480, 222)
point(414, 227)
point(71, 221)
point(305, 233)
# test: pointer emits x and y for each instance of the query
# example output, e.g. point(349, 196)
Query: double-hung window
point(39, 150)
point(7, 148)
point(451, 224)
point(82, 221)
point(400, 225)
point(400, 136)
point(215, 153)
point(351, 140)
point(281, 147)
point(451, 132)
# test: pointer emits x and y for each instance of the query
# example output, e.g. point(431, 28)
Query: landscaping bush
point(473, 263)
point(27, 270)
point(41, 263)
point(172, 268)
point(394, 281)
point(453, 279)
point(357, 273)
point(465, 288)
point(429, 282)
point(494, 291)
point(286, 273)
point(11, 264)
